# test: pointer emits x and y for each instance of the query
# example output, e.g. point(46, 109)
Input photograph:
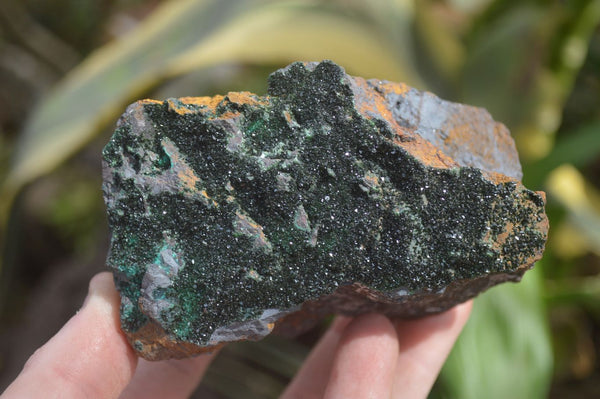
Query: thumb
point(88, 357)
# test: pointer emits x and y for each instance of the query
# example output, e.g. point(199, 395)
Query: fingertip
point(370, 339)
point(425, 344)
point(366, 359)
point(312, 378)
point(460, 315)
point(421, 328)
point(102, 282)
point(463, 311)
point(102, 285)
point(339, 324)
point(174, 378)
point(371, 326)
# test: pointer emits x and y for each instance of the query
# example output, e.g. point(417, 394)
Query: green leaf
point(441, 46)
point(568, 186)
point(521, 64)
point(582, 291)
point(498, 59)
point(504, 350)
point(184, 35)
point(577, 148)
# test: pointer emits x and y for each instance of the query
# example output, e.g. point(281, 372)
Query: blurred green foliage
point(534, 64)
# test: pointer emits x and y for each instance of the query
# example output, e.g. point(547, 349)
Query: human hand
point(365, 357)
point(373, 357)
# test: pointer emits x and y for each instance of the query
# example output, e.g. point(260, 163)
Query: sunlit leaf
point(185, 35)
point(504, 350)
point(567, 240)
point(578, 148)
point(442, 48)
point(496, 61)
point(469, 6)
point(580, 290)
point(567, 185)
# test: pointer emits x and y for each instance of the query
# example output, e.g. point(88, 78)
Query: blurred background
point(68, 68)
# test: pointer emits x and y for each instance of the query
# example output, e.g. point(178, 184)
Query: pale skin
point(364, 357)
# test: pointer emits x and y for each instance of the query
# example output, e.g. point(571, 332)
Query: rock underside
point(233, 216)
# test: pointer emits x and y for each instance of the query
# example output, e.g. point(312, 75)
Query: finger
point(424, 347)
point(167, 378)
point(88, 357)
point(311, 380)
point(365, 360)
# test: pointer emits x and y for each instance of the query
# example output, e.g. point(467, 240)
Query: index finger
point(424, 346)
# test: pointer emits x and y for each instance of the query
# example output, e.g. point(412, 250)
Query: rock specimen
point(235, 215)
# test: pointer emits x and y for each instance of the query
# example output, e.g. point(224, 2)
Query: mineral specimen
point(235, 215)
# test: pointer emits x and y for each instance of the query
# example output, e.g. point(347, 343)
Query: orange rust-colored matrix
point(233, 216)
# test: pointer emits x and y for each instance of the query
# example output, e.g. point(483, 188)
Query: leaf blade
point(504, 350)
point(98, 90)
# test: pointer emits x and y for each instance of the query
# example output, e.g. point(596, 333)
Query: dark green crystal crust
point(242, 208)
